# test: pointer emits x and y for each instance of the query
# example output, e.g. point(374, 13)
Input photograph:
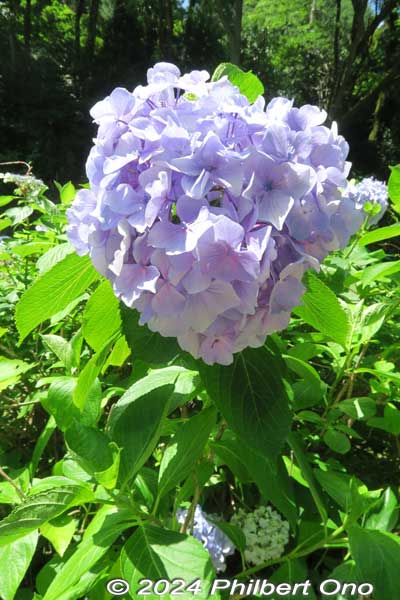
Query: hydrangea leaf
point(149, 346)
point(322, 310)
point(185, 448)
point(158, 553)
point(377, 558)
point(248, 83)
point(53, 291)
point(15, 558)
point(394, 187)
point(251, 395)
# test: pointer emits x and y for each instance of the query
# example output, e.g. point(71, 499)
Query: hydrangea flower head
point(213, 539)
point(369, 193)
point(265, 531)
point(204, 210)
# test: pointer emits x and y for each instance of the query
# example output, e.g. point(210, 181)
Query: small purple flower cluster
point(217, 544)
point(204, 210)
point(371, 198)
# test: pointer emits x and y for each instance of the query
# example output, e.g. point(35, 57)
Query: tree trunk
point(80, 7)
point(312, 12)
point(361, 37)
point(336, 48)
point(92, 31)
point(231, 18)
point(166, 29)
point(27, 26)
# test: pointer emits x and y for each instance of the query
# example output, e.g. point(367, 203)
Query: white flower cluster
point(265, 531)
point(25, 185)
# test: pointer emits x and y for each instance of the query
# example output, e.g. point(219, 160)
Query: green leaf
point(41, 444)
point(136, 419)
point(309, 390)
point(101, 318)
point(17, 214)
point(322, 310)
point(337, 441)
point(384, 514)
point(379, 271)
point(347, 491)
point(301, 457)
point(67, 193)
point(88, 375)
point(53, 291)
point(6, 200)
point(229, 453)
point(59, 403)
point(104, 529)
point(273, 482)
point(358, 408)
point(11, 371)
point(158, 553)
point(59, 532)
point(184, 450)
point(54, 256)
point(95, 452)
point(41, 507)
point(394, 187)
point(378, 235)
point(390, 421)
point(15, 559)
point(377, 558)
point(249, 85)
point(146, 345)
point(251, 395)
point(61, 348)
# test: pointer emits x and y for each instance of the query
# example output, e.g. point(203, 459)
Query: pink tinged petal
point(195, 280)
point(133, 280)
point(285, 295)
point(203, 308)
point(227, 230)
point(217, 350)
point(190, 341)
point(274, 207)
point(170, 326)
point(247, 293)
point(179, 265)
point(168, 302)
point(174, 239)
point(226, 264)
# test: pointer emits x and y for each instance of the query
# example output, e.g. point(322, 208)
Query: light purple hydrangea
point(204, 211)
point(369, 191)
point(217, 544)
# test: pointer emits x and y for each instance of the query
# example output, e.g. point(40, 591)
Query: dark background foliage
point(58, 57)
